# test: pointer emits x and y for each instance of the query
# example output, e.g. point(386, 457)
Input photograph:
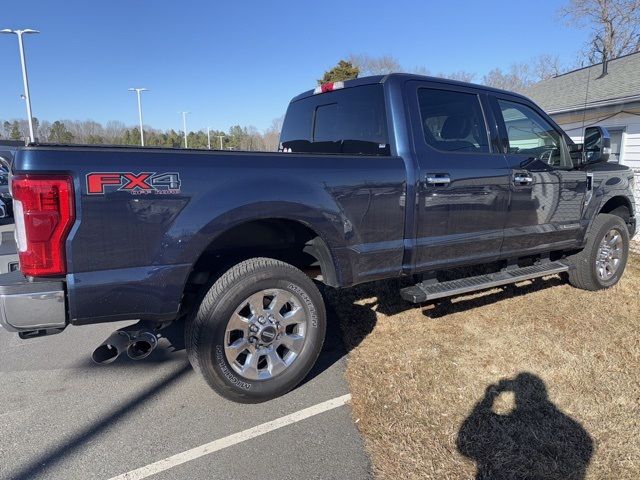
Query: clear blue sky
point(240, 62)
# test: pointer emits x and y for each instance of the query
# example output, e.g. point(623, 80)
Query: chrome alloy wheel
point(609, 255)
point(265, 334)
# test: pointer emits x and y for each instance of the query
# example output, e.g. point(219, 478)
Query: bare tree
point(43, 131)
point(460, 75)
point(516, 79)
point(546, 66)
point(113, 131)
point(614, 25)
point(271, 135)
point(375, 65)
point(521, 75)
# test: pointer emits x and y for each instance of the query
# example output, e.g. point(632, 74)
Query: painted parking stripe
point(234, 439)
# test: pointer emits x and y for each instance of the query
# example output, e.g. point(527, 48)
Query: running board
point(424, 291)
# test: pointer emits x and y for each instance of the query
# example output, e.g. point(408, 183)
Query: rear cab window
point(347, 121)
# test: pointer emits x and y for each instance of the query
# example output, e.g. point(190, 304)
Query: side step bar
point(425, 291)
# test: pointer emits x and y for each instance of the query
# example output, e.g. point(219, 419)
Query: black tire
point(205, 330)
point(584, 274)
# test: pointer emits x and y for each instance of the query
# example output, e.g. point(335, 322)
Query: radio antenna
point(586, 96)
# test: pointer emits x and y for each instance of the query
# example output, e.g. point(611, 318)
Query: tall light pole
point(25, 78)
point(221, 137)
point(184, 126)
point(208, 138)
point(138, 91)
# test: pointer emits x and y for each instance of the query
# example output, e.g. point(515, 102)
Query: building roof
point(568, 92)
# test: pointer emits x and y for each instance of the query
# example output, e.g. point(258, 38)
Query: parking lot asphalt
point(62, 417)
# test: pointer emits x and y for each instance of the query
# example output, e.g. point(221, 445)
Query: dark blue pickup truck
point(379, 177)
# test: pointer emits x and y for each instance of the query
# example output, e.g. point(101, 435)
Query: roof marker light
point(328, 87)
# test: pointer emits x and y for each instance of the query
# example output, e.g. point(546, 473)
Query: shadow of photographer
point(535, 440)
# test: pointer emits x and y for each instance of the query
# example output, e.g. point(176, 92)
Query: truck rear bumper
point(27, 306)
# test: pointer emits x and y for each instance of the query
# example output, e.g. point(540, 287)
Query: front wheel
point(602, 262)
point(258, 331)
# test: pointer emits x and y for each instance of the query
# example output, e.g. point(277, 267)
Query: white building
point(608, 96)
point(603, 94)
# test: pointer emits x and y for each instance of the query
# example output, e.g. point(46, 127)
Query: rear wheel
point(602, 262)
point(258, 331)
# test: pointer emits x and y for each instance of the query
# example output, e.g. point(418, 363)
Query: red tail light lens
point(44, 213)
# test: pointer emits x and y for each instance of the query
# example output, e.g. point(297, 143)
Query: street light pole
point(208, 138)
point(184, 126)
point(138, 91)
point(221, 137)
point(25, 78)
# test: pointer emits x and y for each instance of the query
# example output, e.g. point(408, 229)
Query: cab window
point(348, 121)
point(528, 133)
point(452, 121)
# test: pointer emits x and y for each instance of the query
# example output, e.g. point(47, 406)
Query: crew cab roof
point(407, 77)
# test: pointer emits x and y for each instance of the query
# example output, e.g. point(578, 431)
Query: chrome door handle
point(438, 179)
point(522, 179)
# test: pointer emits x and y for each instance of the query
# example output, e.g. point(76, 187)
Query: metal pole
point(140, 117)
point(208, 139)
point(138, 93)
point(220, 137)
point(184, 126)
point(25, 78)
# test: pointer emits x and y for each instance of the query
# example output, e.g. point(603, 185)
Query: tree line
point(90, 132)
point(613, 31)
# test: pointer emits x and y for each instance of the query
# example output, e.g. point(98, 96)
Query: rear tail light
point(44, 213)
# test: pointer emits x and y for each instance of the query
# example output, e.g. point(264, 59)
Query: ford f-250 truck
point(379, 177)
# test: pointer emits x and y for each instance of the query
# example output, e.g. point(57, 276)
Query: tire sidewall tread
point(205, 329)
point(584, 275)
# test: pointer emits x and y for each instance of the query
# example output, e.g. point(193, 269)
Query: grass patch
point(538, 380)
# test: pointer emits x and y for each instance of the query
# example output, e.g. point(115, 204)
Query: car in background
point(6, 202)
point(8, 249)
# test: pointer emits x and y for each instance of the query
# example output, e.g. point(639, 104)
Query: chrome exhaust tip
point(142, 346)
point(111, 348)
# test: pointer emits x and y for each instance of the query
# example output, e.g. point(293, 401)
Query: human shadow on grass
point(533, 441)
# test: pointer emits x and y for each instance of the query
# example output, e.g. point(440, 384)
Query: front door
point(547, 192)
point(462, 189)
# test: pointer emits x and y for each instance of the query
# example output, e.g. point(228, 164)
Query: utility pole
point(184, 126)
point(138, 91)
point(221, 137)
point(208, 138)
point(25, 78)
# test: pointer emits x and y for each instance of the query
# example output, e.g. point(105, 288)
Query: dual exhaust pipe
point(137, 340)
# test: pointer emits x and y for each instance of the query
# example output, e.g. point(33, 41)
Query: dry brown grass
point(416, 375)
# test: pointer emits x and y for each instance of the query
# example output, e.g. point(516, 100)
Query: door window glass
point(531, 135)
point(452, 121)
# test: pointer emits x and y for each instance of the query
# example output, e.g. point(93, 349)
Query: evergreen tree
point(59, 133)
point(15, 133)
point(342, 71)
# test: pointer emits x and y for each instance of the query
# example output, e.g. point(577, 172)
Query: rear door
point(463, 183)
point(547, 193)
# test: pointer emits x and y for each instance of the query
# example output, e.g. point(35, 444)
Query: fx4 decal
point(98, 183)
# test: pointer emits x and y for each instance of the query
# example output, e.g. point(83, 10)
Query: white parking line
point(234, 439)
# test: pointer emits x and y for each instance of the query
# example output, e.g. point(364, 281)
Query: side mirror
point(597, 145)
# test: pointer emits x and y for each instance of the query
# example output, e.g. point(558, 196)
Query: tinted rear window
point(350, 121)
